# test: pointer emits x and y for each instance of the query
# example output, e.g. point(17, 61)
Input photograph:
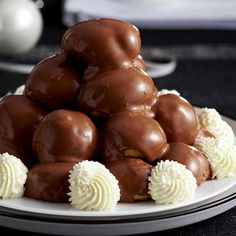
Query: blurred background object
point(20, 26)
point(156, 13)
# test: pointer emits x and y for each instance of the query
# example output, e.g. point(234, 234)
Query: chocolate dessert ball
point(177, 117)
point(65, 136)
point(49, 182)
point(104, 44)
point(54, 83)
point(192, 158)
point(132, 175)
point(117, 90)
point(19, 117)
point(132, 134)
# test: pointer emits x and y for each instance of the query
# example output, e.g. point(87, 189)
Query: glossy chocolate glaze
point(133, 131)
point(132, 175)
point(117, 90)
point(104, 44)
point(177, 117)
point(49, 182)
point(192, 158)
point(54, 83)
point(65, 136)
point(19, 117)
point(140, 63)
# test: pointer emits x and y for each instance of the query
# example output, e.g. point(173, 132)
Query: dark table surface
point(205, 75)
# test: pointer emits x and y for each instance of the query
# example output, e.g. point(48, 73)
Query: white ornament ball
point(21, 26)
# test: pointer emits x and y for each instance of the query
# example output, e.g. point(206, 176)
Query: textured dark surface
point(205, 78)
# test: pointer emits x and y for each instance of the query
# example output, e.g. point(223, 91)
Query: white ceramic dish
point(212, 198)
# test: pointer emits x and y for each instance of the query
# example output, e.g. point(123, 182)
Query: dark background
point(206, 81)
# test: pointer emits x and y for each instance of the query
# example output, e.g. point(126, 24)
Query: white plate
point(208, 191)
point(212, 197)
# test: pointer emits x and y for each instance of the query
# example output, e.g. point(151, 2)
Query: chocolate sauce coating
point(117, 90)
point(192, 158)
point(7, 146)
point(49, 182)
point(140, 63)
point(54, 83)
point(19, 117)
point(132, 175)
point(177, 117)
point(135, 135)
point(65, 136)
point(104, 44)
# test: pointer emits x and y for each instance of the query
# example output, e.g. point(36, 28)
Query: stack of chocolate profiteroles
point(94, 101)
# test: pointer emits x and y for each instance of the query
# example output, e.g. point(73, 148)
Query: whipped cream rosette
point(93, 187)
point(13, 174)
point(171, 182)
point(221, 155)
point(211, 121)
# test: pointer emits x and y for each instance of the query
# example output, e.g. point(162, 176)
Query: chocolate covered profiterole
point(49, 181)
point(132, 175)
point(131, 134)
point(104, 44)
point(19, 117)
point(177, 117)
point(54, 83)
point(192, 158)
point(65, 136)
point(116, 91)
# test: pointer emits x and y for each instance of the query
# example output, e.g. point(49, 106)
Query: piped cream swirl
point(211, 121)
point(13, 174)
point(221, 155)
point(171, 182)
point(93, 187)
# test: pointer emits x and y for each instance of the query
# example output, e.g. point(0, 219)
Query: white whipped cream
point(171, 182)
point(221, 155)
point(211, 121)
point(20, 90)
point(13, 174)
point(168, 91)
point(93, 187)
